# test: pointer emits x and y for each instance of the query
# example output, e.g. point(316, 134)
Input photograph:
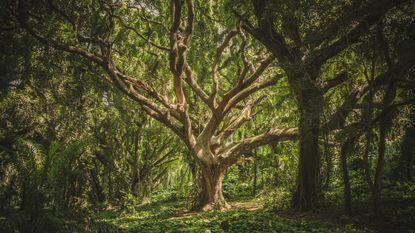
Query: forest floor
point(168, 214)
point(244, 216)
point(249, 215)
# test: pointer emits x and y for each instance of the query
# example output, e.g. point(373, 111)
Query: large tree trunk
point(377, 184)
point(308, 191)
point(197, 186)
point(385, 125)
point(211, 196)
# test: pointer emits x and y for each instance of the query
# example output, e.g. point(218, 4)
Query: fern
point(29, 157)
point(61, 161)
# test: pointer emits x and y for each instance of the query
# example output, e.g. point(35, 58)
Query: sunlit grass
point(170, 216)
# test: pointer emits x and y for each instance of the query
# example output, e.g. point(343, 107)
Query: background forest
point(207, 116)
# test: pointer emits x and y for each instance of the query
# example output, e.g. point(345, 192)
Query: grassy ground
point(170, 216)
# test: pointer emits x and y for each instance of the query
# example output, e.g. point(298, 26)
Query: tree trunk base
point(210, 196)
point(215, 206)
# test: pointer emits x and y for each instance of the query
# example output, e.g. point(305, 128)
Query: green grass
point(167, 213)
point(165, 216)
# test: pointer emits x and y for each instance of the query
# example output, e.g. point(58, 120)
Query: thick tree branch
point(376, 11)
point(241, 85)
point(121, 81)
point(338, 119)
point(271, 39)
point(231, 153)
point(234, 96)
point(250, 90)
point(339, 79)
point(195, 86)
point(178, 46)
point(238, 120)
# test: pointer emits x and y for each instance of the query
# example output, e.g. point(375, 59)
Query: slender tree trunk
point(144, 183)
point(377, 184)
point(406, 161)
point(254, 181)
point(384, 126)
point(96, 186)
point(23, 196)
point(134, 165)
point(346, 147)
point(366, 162)
point(328, 163)
point(134, 180)
point(367, 115)
point(307, 195)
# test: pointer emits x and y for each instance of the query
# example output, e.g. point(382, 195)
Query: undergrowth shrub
point(275, 199)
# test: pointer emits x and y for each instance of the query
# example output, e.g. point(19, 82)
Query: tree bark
point(385, 125)
point(211, 196)
point(407, 158)
point(406, 161)
point(134, 164)
point(96, 186)
point(307, 194)
point(328, 163)
point(346, 147)
point(196, 186)
point(254, 180)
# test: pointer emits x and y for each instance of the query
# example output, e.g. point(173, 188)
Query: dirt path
point(251, 206)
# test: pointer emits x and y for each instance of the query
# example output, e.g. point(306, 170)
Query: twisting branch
point(248, 67)
point(123, 82)
point(273, 41)
point(235, 95)
point(177, 56)
point(239, 119)
point(216, 60)
point(244, 93)
point(147, 39)
point(377, 9)
point(195, 86)
point(165, 119)
point(244, 84)
point(339, 79)
point(139, 84)
point(175, 114)
point(232, 152)
point(338, 119)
